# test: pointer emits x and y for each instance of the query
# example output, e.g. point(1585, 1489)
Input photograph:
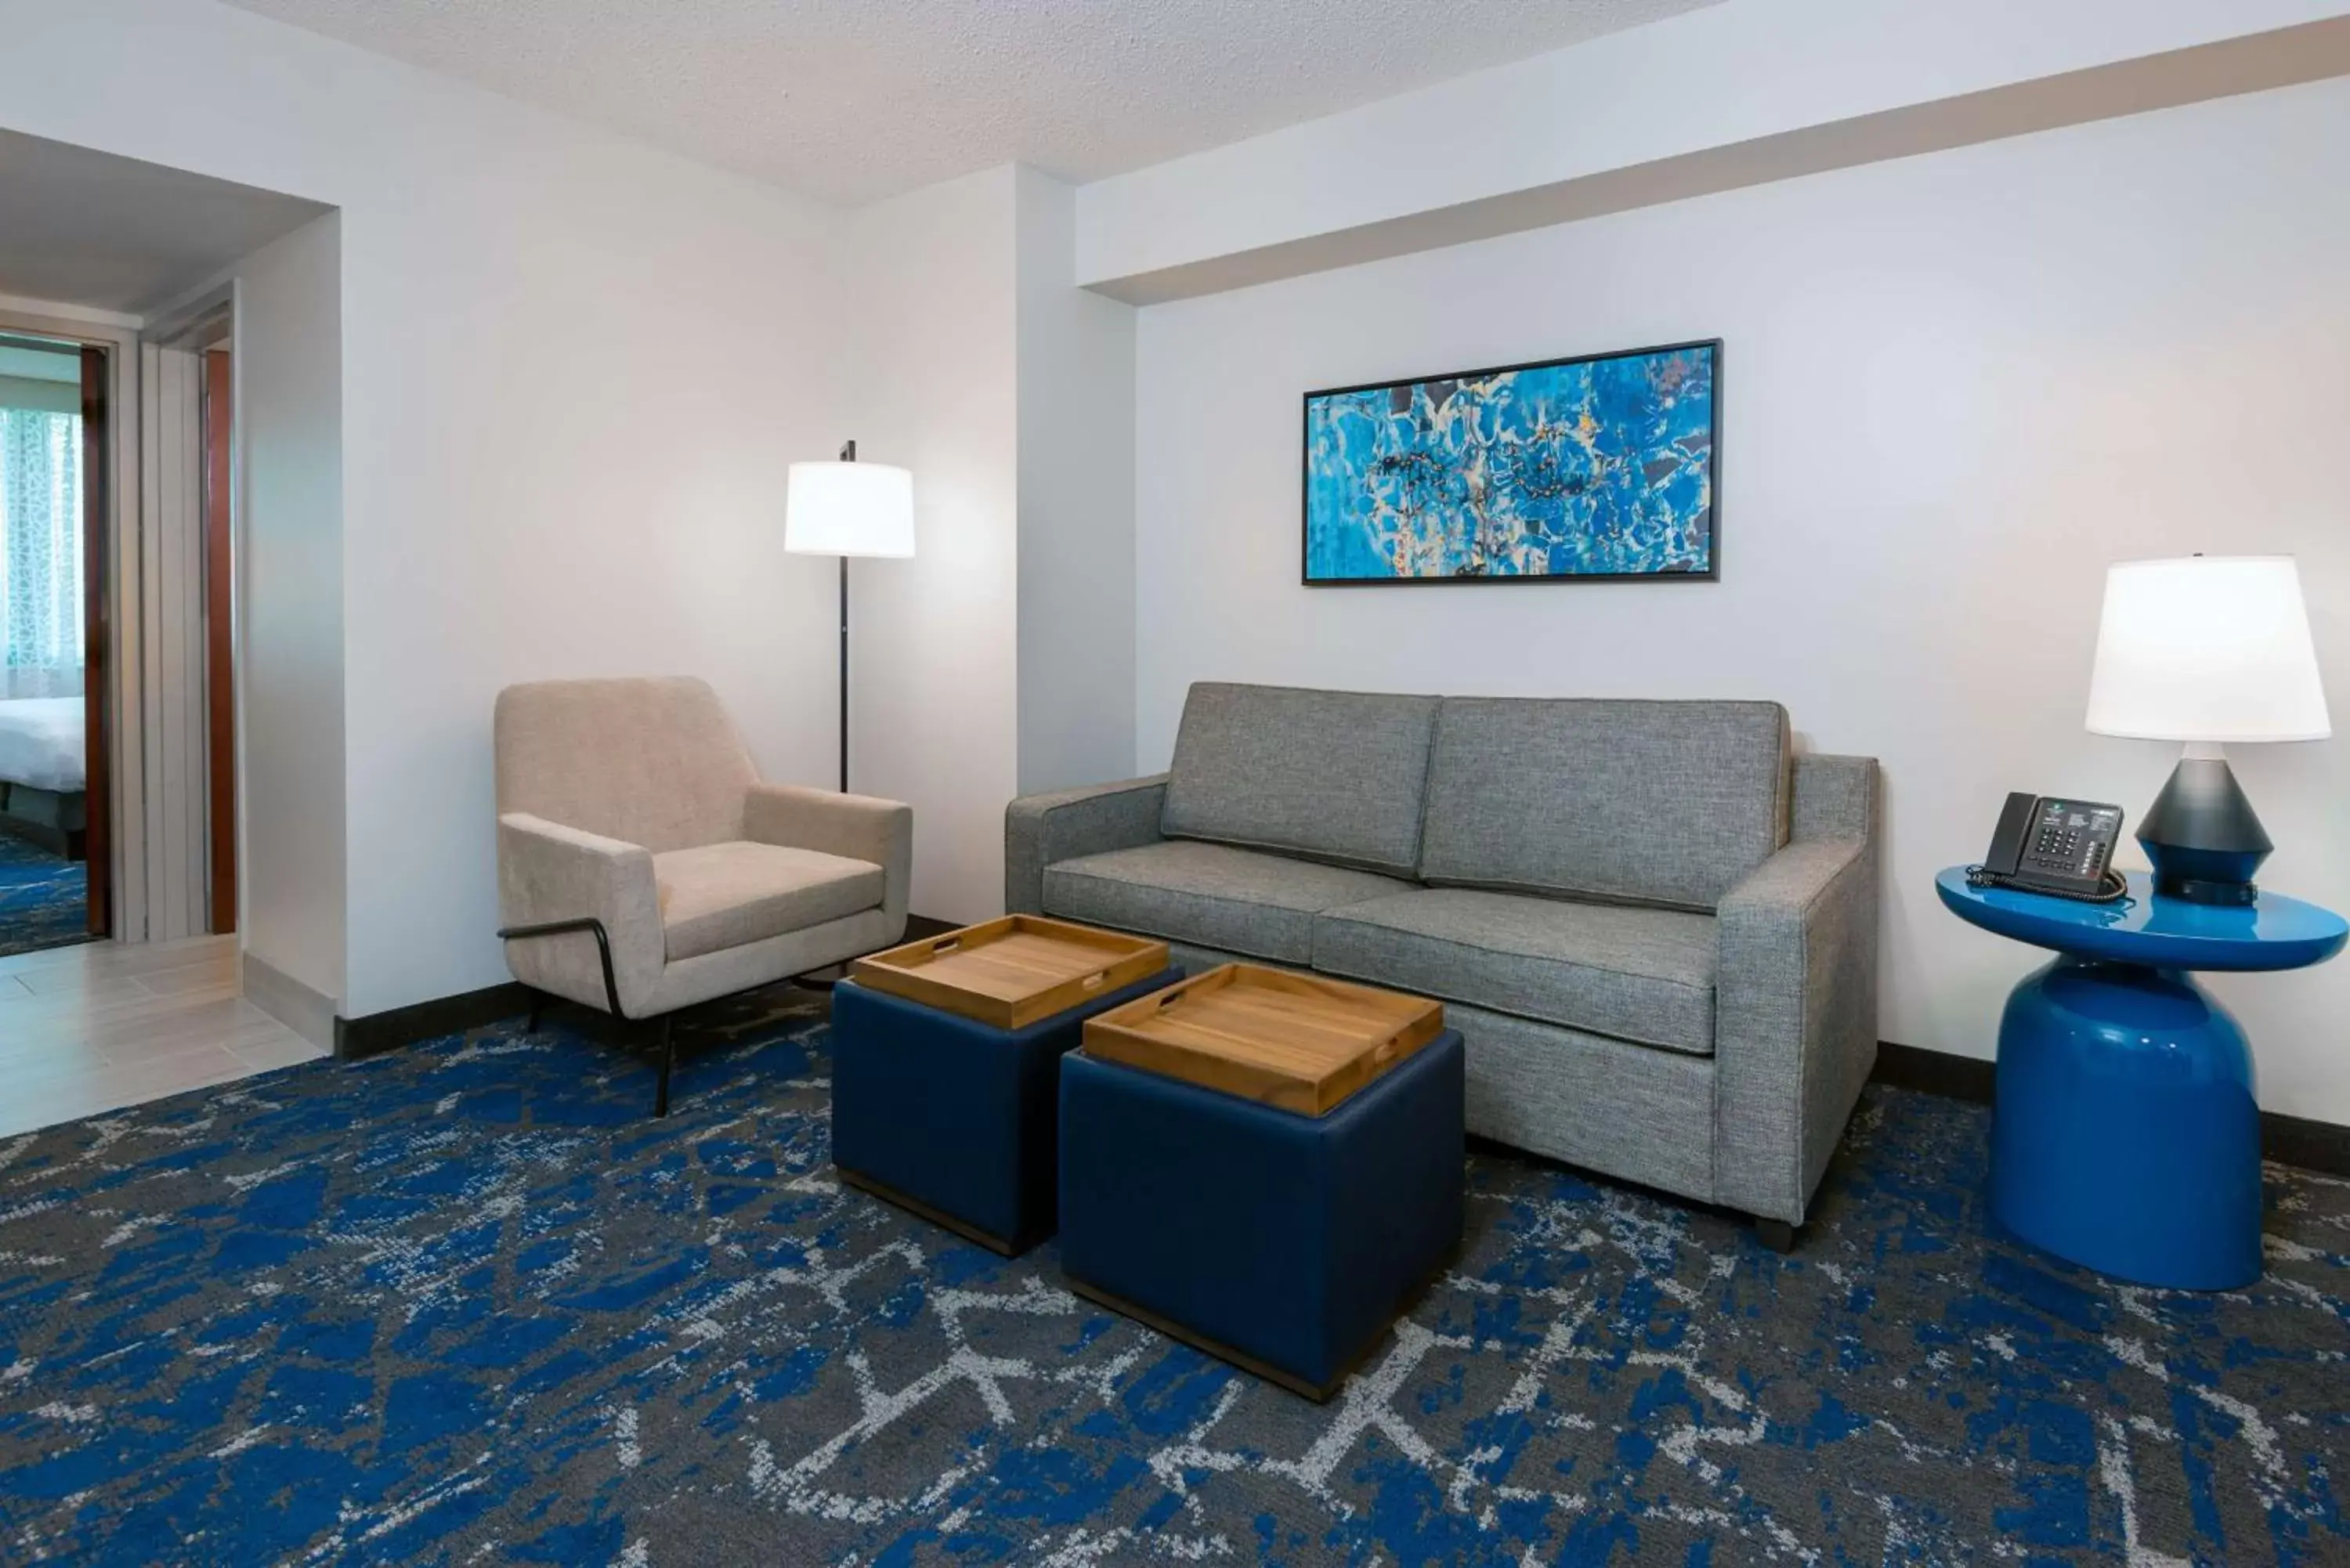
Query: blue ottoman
point(952, 1118)
point(1283, 1243)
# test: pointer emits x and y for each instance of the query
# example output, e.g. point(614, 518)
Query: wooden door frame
point(109, 812)
point(220, 641)
point(97, 619)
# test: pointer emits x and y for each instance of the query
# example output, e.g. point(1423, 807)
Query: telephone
point(2044, 845)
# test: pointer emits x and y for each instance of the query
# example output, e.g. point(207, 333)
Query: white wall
point(1000, 659)
point(1954, 389)
point(505, 515)
point(1076, 370)
point(289, 470)
point(511, 515)
point(1721, 97)
point(935, 654)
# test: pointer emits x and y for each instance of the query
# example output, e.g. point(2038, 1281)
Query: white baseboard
point(288, 1001)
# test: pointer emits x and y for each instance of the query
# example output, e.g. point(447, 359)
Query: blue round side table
point(2125, 1133)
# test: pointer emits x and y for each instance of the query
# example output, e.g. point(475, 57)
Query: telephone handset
point(2044, 845)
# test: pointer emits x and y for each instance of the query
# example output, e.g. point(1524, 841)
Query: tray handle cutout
point(945, 945)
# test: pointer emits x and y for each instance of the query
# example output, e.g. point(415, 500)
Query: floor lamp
point(849, 508)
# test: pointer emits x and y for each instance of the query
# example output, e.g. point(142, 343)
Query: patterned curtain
point(40, 541)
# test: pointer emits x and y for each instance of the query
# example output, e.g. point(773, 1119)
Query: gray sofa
point(1653, 922)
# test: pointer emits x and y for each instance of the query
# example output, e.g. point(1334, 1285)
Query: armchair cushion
point(852, 826)
point(719, 896)
point(1641, 975)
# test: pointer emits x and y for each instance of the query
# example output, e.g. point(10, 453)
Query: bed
point(42, 771)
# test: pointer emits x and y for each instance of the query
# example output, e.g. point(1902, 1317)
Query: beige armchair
point(643, 867)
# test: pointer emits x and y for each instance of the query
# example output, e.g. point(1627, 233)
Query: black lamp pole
point(848, 454)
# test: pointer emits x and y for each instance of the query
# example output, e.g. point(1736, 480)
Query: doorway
point(118, 677)
point(55, 821)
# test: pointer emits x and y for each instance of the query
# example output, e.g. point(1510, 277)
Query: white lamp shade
point(2209, 648)
point(849, 509)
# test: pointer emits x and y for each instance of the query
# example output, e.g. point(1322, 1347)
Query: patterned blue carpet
point(466, 1303)
point(44, 899)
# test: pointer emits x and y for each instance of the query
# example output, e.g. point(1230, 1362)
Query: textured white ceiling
point(851, 100)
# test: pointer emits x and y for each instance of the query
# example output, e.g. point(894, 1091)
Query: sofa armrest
point(1795, 999)
point(1039, 829)
point(549, 873)
point(854, 827)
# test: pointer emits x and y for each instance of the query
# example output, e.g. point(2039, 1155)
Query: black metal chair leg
point(667, 1060)
point(537, 1003)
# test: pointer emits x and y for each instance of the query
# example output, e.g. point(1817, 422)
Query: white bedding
point(41, 743)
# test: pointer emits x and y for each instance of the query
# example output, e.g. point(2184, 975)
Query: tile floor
point(100, 1027)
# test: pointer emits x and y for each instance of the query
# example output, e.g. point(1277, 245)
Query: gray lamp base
point(2201, 836)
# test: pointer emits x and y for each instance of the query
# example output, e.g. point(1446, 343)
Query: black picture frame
point(1712, 574)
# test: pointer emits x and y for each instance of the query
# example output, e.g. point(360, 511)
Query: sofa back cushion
point(1329, 775)
point(1668, 803)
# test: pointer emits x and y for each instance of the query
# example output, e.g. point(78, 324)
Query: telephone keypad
point(2074, 840)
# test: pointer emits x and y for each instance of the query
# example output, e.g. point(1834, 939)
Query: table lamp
point(2210, 650)
point(849, 508)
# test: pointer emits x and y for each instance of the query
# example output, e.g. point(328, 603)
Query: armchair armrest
point(855, 826)
point(1039, 829)
point(1796, 997)
point(549, 874)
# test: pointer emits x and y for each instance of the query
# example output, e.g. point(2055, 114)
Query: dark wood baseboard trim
point(2321, 1146)
point(2311, 1145)
point(1933, 1071)
point(357, 1038)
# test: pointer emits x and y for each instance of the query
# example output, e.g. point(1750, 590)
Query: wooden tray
point(1296, 1041)
point(1014, 972)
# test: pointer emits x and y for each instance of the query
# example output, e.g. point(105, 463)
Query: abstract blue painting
point(1598, 467)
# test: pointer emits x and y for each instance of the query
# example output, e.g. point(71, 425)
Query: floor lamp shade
point(849, 509)
point(2211, 650)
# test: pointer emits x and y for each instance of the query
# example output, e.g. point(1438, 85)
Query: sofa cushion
point(1642, 976)
point(720, 896)
point(1335, 776)
point(1656, 802)
point(1210, 894)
